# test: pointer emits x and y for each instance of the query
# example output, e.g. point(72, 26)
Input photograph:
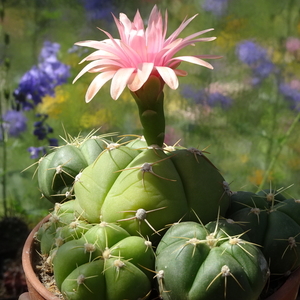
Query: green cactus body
point(64, 224)
point(273, 223)
point(58, 170)
point(71, 255)
point(114, 279)
point(205, 262)
point(119, 262)
point(147, 195)
point(138, 143)
point(105, 235)
point(85, 281)
point(203, 184)
point(97, 179)
point(144, 190)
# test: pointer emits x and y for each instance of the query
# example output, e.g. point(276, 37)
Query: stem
point(281, 144)
point(150, 101)
point(2, 128)
point(4, 159)
point(274, 124)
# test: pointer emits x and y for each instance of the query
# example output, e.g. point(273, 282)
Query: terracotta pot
point(289, 290)
point(37, 290)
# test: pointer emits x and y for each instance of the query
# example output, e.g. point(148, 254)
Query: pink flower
point(292, 44)
point(139, 53)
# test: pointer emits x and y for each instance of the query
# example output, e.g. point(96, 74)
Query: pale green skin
point(118, 268)
point(105, 281)
point(180, 185)
point(58, 169)
point(193, 271)
point(65, 224)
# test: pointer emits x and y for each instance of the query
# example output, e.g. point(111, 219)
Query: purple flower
point(41, 80)
point(99, 9)
point(78, 50)
point(257, 59)
point(211, 99)
point(49, 52)
point(36, 152)
point(53, 142)
point(196, 95)
point(215, 99)
point(41, 129)
point(216, 7)
point(291, 94)
point(250, 53)
point(14, 122)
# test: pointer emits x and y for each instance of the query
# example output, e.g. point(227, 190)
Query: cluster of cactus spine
point(132, 196)
point(131, 192)
point(121, 201)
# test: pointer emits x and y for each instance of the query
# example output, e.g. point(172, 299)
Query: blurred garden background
point(245, 112)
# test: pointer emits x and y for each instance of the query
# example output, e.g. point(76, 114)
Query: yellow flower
point(101, 117)
point(257, 177)
point(231, 33)
point(51, 105)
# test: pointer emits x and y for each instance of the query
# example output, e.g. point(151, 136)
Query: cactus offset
point(273, 222)
point(209, 262)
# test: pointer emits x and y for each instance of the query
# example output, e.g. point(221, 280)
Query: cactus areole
point(143, 190)
point(116, 199)
point(196, 262)
point(273, 222)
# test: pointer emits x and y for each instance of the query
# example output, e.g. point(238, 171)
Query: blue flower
point(216, 7)
point(53, 142)
point(257, 59)
point(42, 79)
point(250, 53)
point(41, 129)
point(36, 152)
point(49, 52)
point(189, 92)
point(99, 9)
point(204, 98)
point(291, 95)
point(216, 98)
point(14, 122)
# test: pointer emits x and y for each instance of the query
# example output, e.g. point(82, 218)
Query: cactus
point(119, 199)
point(105, 263)
point(58, 170)
point(273, 222)
point(126, 193)
point(145, 189)
point(209, 262)
point(65, 223)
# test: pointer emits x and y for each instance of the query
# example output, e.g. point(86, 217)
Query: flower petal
point(91, 65)
point(169, 76)
point(181, 73)
point(97, 84)
point(140, 77)
point(193, 60)
point(192, 36)
point(175, 34)
point(119, 82)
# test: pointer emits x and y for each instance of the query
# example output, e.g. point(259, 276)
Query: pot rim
point(31, 277)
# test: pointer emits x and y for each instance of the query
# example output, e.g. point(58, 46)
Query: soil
point(45, 273)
